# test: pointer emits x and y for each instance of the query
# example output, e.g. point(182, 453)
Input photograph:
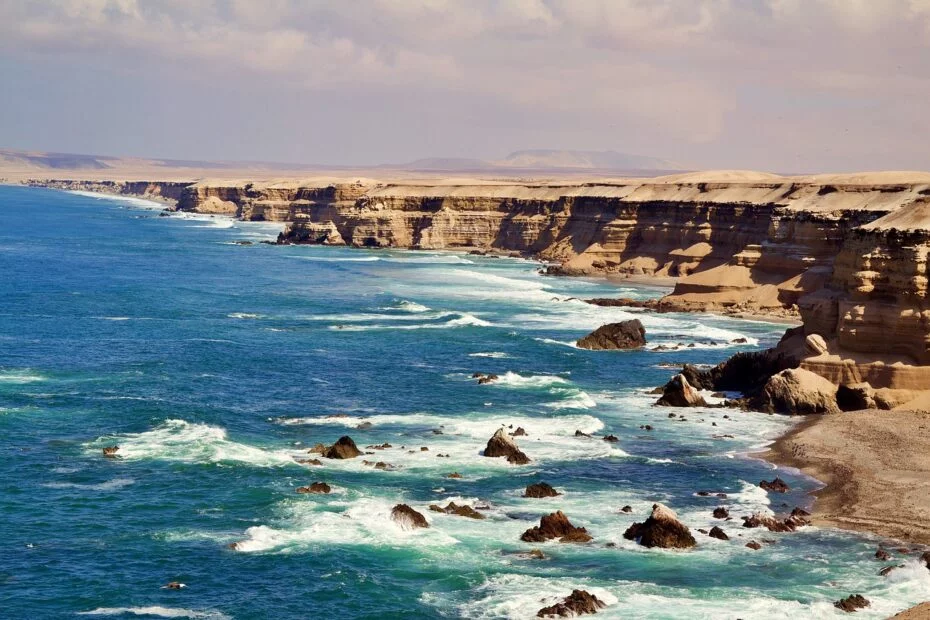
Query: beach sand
point(876, 468)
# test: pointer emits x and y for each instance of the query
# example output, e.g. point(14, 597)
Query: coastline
point(873, 466)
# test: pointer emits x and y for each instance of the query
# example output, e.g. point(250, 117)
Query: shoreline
point(871, 463)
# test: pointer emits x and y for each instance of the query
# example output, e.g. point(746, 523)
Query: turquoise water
point(213, 365)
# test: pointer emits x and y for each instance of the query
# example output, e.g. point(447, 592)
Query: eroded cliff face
point(846, 254)
point(167, 190)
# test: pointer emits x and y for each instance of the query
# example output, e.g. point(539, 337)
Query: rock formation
point(344, 448)
point(798, 391)
point(852, 603)
point(316, 487)
point(679, 393)
point(578, 603)
point(407, 517)
point(555, 525)
point(661, 529)
point(454, 509)
point(501, 444)
point(625, 335)
point(716, 532)
point(540, 489)
point(777, 485)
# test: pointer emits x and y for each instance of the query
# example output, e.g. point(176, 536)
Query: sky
point(777, 85)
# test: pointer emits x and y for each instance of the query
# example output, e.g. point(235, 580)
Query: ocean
point(214, 361)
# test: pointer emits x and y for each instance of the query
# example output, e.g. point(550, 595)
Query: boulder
point(520, 432)
point(407, 517)
point(716, 532)
point(501, 444)
point(555, 525)
point(316, 487)
point(753, 545)
point(721, 513)
point(769, 522)
point(852, 603)
point(454, 474)
point(627, 509)
point(318, 449)
point(679, 393)
point(815, 345)
point(344, 448)
point(882, 555)
point(776, 486)
point(484, 379)
point(662, 529)
point(577, 603)
point(110, 451)
point(797, 391)
point(611, 439)
point(624, 335)
point(540, 489)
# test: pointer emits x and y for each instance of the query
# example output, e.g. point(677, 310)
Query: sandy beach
point(875, 468)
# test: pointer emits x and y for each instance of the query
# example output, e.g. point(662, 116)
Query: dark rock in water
point(577, 603)
point(716, 532)
point(753, 545)
point(739, 341)
point(364, 425)
point(383, 446)
point(799, 512)
point(882, 555)
point(887, 570)
point(770, 523)
point(679, 393)
point(721, 513)
point(483, 378)
point(241, 242)
point(646, 427)
point(540, 489)
point(657, 390)
point(662, 529)
point(317, 449)
point(520, 432)
point(454, 509)
point(344, 448)
point(316, 487)
point(174, 585)
point(555, 525)
point(407, 517)
point(454, 474)
point(309, 461)
point(776, 486)
point(110, 451)
point(925, 558)
point(626, 509)
point(580, 434)
point(502, 445)
point(852, 603)
point(748, 371)
point(625, 335)
point(611, 438)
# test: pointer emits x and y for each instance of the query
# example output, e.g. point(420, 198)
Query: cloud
point(676, 75)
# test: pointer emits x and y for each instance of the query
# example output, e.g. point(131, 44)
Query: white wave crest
point(179, 440)
point(19, 377)
point(491, 354)
point(157, 611)
point(109, 485)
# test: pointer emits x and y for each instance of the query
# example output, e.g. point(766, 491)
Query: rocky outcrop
point(679, 393)
point(578, 603)
point(624, 335)
point(316, 487)
point(555, 525)
point(454, 509)
point(775, 486)
point(344, 448)
point(662, 529)
point(407, 517)
point(539, 490)
point(852, 603)
point(168, 191)
point(501, 444)
point(798, 391)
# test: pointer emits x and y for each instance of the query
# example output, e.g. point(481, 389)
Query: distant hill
point(596, 160)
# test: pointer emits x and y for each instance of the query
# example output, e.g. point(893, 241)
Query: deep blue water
point(214, 365)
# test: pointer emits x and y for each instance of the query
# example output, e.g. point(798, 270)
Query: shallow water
point(213, 365)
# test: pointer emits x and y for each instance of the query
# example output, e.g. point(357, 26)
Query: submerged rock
point(540, 489)
point(753, 545)
point(454, 509)
point(501, 444)
point(485, 378)
point(662, 529)
point(344, 448)
point(578, 603)
point(110, 451)
point(852, 603)
point(555, 525)
point(679, 393)
point(407, 517)
point(624, 335)
point(316, 487)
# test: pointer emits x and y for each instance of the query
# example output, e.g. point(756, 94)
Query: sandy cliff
point(846, 253)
